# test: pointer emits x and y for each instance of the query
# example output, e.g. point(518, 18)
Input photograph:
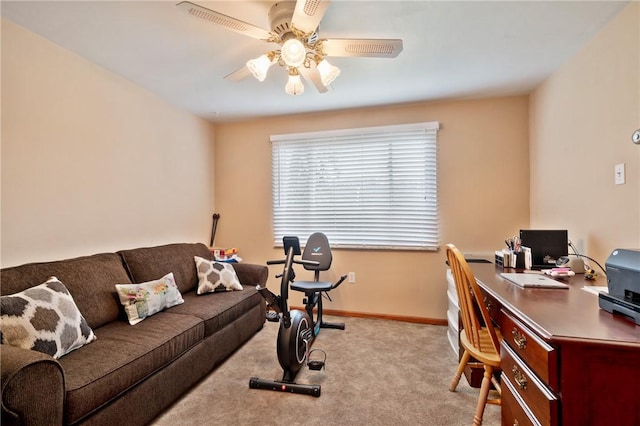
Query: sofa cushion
point(149, 263)
point(218, 309)
point(215, 276)
point(145, 299)
point(123, 356)
point(44, 318)
point(89, 279)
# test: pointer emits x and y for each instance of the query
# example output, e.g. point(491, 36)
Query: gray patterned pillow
point(215, 276)
point(44, 318)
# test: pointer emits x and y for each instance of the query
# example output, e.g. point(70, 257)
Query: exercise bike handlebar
point(342, 278)
point(299, 262)
point(306, 262)
point(286, 277)
point(284, 288)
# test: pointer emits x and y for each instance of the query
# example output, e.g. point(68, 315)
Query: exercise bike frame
point(295, 335)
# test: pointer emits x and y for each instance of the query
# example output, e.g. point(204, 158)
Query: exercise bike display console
point(298, 329)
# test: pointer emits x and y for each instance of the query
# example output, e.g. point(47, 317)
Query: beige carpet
point(378, 372)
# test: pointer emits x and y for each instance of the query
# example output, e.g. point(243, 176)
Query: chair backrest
point(470, 300)
point(318, 249)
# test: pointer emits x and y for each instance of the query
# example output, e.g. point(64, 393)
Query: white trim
point(430, 125)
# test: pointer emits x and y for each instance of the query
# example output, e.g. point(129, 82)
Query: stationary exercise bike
point(298, 329)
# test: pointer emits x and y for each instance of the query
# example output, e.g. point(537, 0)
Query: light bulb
point(328, 72)
point(259, 66)
point(293, 52)
point(294, 85)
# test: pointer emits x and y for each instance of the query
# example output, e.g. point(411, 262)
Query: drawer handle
point(488, 303)
point(519, 377)
point(519, 339)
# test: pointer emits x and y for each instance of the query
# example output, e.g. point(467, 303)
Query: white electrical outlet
point(352, 277)
point(619, 174)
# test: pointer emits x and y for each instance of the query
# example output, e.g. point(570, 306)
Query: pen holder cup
point(520, 260)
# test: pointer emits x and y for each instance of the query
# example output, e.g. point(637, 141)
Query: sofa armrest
point(251, 275)
point(32, 387)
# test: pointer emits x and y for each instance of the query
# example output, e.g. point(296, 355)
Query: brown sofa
point(129, 374)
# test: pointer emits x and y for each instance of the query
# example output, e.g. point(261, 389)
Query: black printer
point(623, 280)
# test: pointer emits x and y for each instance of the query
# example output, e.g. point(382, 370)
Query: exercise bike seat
point(311, 286)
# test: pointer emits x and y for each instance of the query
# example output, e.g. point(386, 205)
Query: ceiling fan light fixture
point(328, 72)
point(294, 85)
point(293, 52)
point(293, 26)
point(260, 66)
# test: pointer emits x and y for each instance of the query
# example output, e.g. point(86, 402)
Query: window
point(372, 188)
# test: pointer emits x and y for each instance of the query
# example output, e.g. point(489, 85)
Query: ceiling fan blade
point(311, 74)
point(238, 74)
point(371, 47)
point(308, 13)
point(228, 22)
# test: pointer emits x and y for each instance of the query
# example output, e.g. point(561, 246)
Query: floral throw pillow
point(145, 299)
point(216, 276)
point(44, 318)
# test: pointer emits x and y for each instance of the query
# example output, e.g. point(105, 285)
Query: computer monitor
point(547, 246)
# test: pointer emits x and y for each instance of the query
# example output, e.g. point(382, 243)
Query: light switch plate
point(619, 174)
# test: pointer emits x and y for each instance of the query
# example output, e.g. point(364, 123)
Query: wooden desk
point(564, 360)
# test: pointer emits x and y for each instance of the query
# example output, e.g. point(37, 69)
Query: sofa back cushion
point(90, 280)
point(152, 263)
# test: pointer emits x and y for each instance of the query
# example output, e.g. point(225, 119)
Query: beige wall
point(91, 162)
point(581, 123)
point(483, 189)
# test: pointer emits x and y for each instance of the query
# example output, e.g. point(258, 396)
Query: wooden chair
point(478, 337)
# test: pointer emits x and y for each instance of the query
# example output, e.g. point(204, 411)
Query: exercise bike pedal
point(273, 316)
point(316, 365)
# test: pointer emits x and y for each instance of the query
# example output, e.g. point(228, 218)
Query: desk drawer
point(513, 412)
point(535, 395)
point(541, 358)
point(493, 307)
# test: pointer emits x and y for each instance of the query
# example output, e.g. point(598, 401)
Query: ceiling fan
point(294, 29)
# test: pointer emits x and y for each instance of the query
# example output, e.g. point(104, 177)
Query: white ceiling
point(452, 49)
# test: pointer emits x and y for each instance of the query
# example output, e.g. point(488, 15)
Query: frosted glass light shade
point(328, 72)
point(294, 85)
point(293, 52)
point(259, 66)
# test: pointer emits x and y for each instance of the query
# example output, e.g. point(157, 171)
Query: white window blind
point(372, 187)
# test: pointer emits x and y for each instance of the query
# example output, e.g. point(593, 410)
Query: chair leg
point(463, 363)
point(484, 393)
